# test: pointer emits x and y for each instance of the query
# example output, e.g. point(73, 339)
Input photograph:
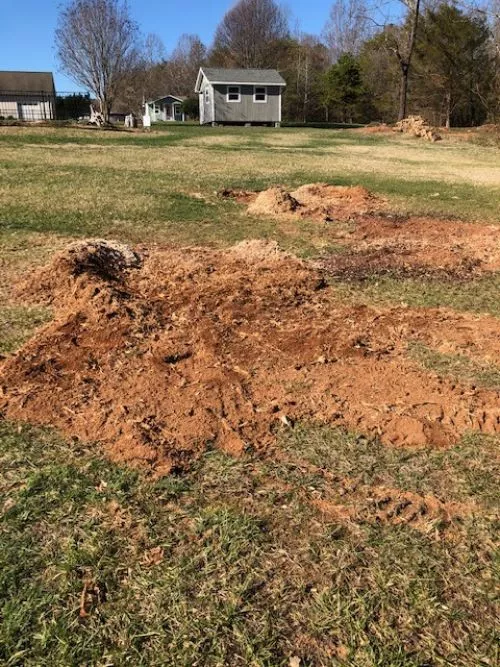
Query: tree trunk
point(105, 105)
point(403, 91)
point(405, 63)
point(306, 87)
point(448, 110)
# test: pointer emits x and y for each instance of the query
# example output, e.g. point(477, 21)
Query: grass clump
point(478, 296)
point(17, 324)
point(457, 366)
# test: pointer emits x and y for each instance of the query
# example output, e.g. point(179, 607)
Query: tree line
point(438, 58)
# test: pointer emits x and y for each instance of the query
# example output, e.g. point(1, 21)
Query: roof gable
point(176, 98)
point(27, 82)
point(267, 77)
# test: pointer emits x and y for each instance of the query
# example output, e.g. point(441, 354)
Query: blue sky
point(27, 27)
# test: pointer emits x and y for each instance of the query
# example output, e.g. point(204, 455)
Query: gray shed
point(239, 96)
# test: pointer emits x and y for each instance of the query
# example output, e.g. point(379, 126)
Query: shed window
point(260, 94)
point(207, 95)
point(233, 94)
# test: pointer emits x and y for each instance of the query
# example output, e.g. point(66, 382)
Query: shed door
point(29, 111)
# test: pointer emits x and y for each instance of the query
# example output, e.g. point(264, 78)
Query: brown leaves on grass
point(92, 595)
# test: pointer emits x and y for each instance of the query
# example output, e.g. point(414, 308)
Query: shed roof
point(267, 77)
point(27, 82)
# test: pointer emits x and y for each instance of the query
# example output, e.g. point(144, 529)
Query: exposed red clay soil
point(382, 243)
point(432, 242)
point(394, 262)
point(378, 128)
point(315, 201)
point(414, 247)
point(197, 346)
point(349, 499)
point(369, 504)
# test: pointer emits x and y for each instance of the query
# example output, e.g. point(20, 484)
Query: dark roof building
point(27, 95)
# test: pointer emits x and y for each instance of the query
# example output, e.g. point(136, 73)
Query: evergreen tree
point(343, 87)
point(453, 66)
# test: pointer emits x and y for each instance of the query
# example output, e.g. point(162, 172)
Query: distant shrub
point(191, 107)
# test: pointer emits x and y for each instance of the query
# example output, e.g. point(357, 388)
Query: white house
point(168, 108)
point(27, 96)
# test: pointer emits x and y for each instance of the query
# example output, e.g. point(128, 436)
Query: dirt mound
point(315, 201)
point(331, 201)
point(258, 250)
point(107, 260)
point(417, 127)
point(274, 201)
point(198, 347)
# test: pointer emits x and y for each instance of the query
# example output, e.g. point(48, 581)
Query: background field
point(219, 566)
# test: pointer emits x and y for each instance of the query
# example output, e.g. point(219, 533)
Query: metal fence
point(42, 105)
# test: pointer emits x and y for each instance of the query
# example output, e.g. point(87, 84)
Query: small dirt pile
point(327, 202)
point(274, 201)
point(315, 201)
point(259, 250)
point(106, 260)
point(417, 127)
point(190, 348)
point(241, 196)
point(375, 128)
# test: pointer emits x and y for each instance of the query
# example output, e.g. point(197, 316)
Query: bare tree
point(96, 43)
point(400, 40)
point(142, 81)
point(404, 48)
point(184, 63)
point(347, 28)
point(247, 33)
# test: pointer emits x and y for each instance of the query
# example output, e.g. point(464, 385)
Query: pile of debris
point(417, 127)
point(182, 349)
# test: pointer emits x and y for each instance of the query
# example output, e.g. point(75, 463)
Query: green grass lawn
point(231, 563)
point(227, 564)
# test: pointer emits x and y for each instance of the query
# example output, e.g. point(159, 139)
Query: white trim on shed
point(260, 91)
point(233, 94)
